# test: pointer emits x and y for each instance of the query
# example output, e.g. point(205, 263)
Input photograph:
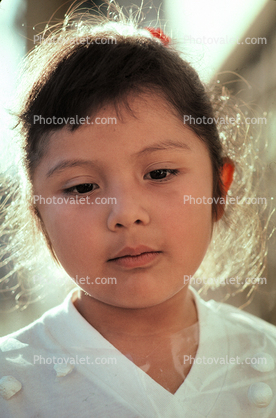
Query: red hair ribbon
point(159, 34)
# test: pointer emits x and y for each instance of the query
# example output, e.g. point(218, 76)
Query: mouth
point(131, 257)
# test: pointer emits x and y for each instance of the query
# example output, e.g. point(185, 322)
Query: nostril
point(119, 225)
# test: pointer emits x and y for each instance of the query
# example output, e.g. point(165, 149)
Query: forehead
point(146, 126)
point(141, 119)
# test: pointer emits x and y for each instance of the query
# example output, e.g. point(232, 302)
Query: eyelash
point(70, 190)
point(172, 172)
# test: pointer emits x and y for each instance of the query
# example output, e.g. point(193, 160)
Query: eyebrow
point(159, 146)
point(164, 145)
point(62, 165)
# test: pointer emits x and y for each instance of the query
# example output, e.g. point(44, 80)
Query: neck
point(164, 319)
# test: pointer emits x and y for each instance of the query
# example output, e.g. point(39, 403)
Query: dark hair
point(72, 74)
point(81, 77)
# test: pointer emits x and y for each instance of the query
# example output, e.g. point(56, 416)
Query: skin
point(148, 304)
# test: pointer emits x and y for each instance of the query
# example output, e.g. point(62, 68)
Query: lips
point(130, 251)
point(130, 257)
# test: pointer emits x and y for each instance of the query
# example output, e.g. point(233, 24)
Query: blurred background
point(214, 36)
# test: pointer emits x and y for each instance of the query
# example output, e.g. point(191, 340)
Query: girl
point(128, 185)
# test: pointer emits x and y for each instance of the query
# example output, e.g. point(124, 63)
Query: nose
point(130, 210)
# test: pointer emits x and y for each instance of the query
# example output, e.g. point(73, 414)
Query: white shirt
point(117, 388)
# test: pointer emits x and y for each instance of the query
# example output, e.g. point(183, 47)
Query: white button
point(9, 386)
point(63, 369)
point(260, 394)
point(262, 362)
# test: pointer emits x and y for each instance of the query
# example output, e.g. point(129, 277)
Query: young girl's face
point(147, 164)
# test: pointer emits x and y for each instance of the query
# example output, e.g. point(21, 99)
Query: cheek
point(188, 226)
point(190, 229)
point(74, 234)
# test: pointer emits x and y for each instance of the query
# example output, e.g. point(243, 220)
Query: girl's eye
point(162, 174)
point(81, 188)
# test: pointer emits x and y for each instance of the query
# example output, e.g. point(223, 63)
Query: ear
point(226, 176)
